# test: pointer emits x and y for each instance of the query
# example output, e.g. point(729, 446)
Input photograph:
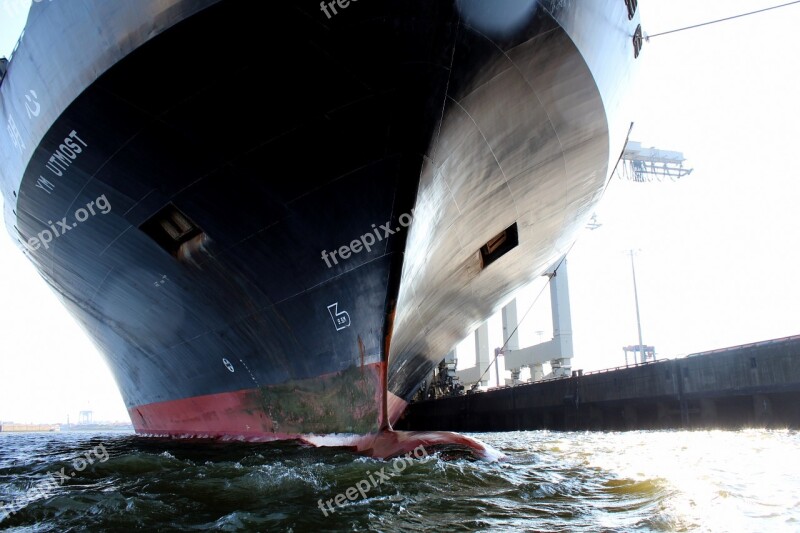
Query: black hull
point(279, 135)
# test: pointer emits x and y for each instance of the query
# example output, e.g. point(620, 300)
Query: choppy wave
point(636, 481)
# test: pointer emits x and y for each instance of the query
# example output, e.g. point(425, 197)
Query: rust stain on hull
point(336, 403)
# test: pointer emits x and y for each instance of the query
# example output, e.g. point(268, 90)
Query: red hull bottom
point(243, 416)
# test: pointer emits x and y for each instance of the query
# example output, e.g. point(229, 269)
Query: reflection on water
point(636, 481)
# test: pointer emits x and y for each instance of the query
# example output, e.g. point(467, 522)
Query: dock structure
point(753, 385)
point(10, 427)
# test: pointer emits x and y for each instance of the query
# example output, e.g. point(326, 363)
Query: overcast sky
point(720, 250)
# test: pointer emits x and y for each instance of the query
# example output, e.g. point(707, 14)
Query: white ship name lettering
point(66, 153)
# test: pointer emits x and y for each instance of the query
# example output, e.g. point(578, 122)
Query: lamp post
point(638, 319)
